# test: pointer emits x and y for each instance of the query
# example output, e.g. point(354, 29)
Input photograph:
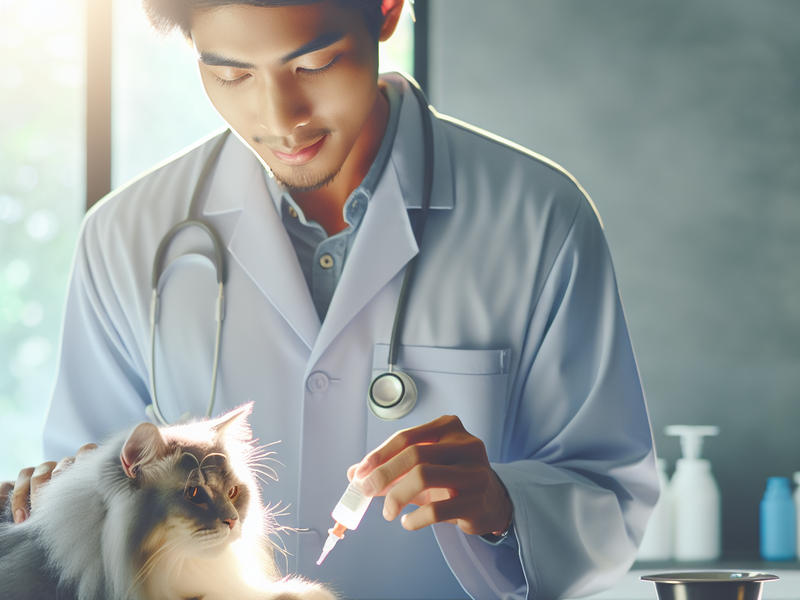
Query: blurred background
point(681, 119)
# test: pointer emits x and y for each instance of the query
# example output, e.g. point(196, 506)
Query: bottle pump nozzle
point(692, 438)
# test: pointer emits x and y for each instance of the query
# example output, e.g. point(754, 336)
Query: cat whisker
point(150, 564)
point(265, 473)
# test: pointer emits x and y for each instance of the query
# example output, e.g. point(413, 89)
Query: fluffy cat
point(171, 513)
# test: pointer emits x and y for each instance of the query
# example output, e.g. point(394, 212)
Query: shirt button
point(292, 212)
point(326, 261)
point(318, 382)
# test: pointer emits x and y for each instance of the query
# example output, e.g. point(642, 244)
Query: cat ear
point(234, 423)
point(144, 445)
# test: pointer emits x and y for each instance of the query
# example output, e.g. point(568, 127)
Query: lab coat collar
point(408, 153)
point(262, 247)
point(236, 163)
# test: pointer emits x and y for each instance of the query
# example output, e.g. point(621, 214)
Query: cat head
point(193, 481)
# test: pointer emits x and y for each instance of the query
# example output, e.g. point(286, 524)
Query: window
point(158, 108)
point(41, 205)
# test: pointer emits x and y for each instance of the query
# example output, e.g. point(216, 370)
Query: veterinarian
point(540, 482)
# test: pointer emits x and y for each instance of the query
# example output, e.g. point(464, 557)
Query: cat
point(170, 513)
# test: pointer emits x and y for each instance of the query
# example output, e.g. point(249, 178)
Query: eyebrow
point(212, 59)
point(323, 40)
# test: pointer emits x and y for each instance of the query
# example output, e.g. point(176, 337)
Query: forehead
point(270, 31)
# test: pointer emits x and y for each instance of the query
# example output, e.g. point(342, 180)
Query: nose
point(230, 522)
point(282, 108)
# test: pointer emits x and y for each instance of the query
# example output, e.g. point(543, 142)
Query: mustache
point(282, 144)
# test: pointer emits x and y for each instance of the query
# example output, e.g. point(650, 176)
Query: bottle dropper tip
point(334, 535)
point(329, 544)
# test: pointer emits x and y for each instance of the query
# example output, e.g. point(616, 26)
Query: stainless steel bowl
point(709, 585)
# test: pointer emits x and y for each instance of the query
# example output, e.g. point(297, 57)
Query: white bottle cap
point(692, 437)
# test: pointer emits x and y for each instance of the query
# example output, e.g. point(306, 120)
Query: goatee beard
point(306, 182)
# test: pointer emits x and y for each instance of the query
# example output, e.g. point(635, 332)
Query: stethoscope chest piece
point(392, 395)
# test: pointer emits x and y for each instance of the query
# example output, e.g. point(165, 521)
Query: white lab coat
point(514, 324)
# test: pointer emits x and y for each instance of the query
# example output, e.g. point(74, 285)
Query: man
point(541, 482)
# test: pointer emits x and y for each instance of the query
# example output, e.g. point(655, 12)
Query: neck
point(326, 204)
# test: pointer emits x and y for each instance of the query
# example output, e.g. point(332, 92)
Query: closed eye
point(321, 69)
point(232, 82)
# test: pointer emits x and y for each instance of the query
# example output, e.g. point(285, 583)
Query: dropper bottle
point(347, 514)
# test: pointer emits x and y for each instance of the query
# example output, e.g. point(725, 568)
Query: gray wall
point(682, 120)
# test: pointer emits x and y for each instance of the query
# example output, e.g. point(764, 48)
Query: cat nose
point(230, 522)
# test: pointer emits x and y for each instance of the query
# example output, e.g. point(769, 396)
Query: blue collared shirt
point(322, 257)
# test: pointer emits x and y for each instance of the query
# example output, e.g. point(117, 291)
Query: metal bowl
point(709, 585)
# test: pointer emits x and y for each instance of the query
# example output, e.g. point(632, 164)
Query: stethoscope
point(392, 394)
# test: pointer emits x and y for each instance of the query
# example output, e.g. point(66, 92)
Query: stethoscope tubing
point(219, 264)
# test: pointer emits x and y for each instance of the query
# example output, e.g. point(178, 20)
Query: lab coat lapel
point(385, 241)
point(383, 246)
point(262, 247)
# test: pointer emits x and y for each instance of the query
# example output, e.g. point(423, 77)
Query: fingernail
point(41, 470)
point(19, 516)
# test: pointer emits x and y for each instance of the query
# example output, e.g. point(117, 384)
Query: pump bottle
point(695, 498)
point(797, 509)
point(657, 541)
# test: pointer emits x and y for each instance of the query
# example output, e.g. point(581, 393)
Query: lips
point(301, 156)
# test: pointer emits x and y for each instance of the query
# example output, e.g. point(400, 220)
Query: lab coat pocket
point(471, 384)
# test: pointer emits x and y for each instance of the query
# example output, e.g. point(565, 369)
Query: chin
point(213, 546)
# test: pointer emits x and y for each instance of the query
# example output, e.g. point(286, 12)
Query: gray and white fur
point(170, 513)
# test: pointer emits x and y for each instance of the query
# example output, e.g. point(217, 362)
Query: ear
point(145, 445)
point(234, 423)
point(391, 9)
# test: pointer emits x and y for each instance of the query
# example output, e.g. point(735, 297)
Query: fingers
point(6, 487)
point(68, 460)
point(30, 480)
point(21, 497)
point(40, 476)
point(450, 450)
point(428, 483)
point(471, 497)
point(429, 433)
point(445, 511)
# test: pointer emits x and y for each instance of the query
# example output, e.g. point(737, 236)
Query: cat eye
point(233, 492)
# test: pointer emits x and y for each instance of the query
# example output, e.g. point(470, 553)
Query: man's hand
point(444, 470)
point(23, 492)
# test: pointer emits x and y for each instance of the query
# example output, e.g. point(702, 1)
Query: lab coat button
point(318, 382)
point(326, 261)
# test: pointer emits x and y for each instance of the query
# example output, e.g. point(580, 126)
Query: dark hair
point(167, 15)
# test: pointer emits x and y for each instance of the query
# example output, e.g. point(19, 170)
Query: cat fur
point(117, 525)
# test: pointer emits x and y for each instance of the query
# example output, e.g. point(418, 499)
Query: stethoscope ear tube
point(393, 394)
